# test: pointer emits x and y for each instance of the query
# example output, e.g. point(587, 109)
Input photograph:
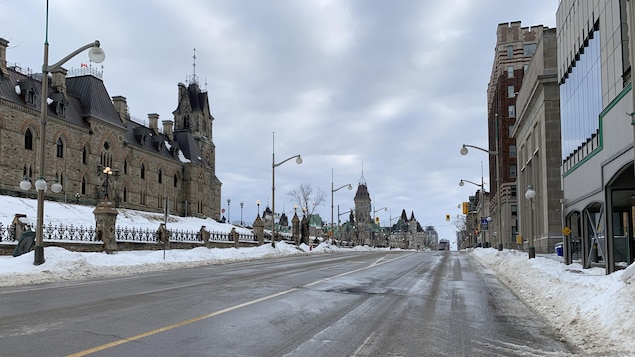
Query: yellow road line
point(219, 312)
point(173, 326)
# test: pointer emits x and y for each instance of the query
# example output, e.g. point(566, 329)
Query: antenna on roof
point(194, 79)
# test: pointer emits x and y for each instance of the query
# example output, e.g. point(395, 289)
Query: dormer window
point(60, 108)
point(30, 96)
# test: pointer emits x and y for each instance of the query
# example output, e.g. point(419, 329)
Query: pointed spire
point(362, 180)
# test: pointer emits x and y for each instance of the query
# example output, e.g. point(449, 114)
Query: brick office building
point(515, 46)
point(88, 130)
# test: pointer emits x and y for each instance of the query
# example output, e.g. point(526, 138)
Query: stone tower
point(362, 210)
point(193, 133)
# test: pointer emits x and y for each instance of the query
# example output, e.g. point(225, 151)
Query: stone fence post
point(204, 235)
point(105, 219)
point(295, 229)
point(163, 236)
point(19, 224)
point(259, 230)
point(235, 237)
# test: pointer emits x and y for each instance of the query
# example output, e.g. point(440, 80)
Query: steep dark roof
point(143, 137)
point(197, 98)
point(362, 192)
point(94, 98)
point(86, 97)
point(189, 147)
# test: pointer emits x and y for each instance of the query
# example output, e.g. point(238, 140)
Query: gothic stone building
point(87, 130)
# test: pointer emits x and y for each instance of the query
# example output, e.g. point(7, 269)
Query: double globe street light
point(95, 54)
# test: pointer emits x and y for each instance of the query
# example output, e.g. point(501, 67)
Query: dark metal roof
point(143, 137)
point(198, 99)
point(189, 147)
point(86, 97)
point(94, 98)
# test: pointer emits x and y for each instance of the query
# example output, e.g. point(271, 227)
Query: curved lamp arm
point(339, 188)
point(465, 146)
point(298, 160)
point(96, 56)
point(462, 182)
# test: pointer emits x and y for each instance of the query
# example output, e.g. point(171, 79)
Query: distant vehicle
point(444, 244)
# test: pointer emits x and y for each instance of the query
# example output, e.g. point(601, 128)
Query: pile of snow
point(591, 310)
point(61, 264)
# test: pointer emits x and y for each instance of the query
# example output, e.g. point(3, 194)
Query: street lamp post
point(481, 199)
point(107, 171)
point(228, 202)
point(298, 161)
point(332, 205)
point(338, 222)
point(372, 233)
point(97, 55)
point(464, 151)
point(530, 194)
point(241, 213)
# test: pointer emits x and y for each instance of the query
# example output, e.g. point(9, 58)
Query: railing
point(7, 233)
point(54, 232)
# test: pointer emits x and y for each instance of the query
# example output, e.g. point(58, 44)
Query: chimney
point(153, 119)
point(59, 80)
point(167, 128)
point(121, 106)
point(3, 57)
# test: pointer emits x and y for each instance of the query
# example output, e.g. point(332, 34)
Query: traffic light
point(376, 219)
point(465, 207)
point(447, 217)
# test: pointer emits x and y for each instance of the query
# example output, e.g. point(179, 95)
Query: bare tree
point(306, 197)
point(461, 226)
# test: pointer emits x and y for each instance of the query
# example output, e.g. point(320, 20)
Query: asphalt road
point(343, 304)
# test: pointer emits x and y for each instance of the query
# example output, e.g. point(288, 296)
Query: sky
point(590, 309)
point(390, 89)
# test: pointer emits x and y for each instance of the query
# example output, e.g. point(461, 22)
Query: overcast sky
point(393, 86)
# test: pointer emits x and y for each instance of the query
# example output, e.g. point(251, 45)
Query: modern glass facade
point(581, 98)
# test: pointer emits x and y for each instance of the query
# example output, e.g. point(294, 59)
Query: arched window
point(85, 155)
point(160, 176)
point(60, 147)
point(106, 155)
point(143, 171)
point(176, 181)
point(28, 139)
point(125, 194)
point(83, 185)
point(125, 166)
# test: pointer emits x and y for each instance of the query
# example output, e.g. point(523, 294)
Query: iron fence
point(59, 232)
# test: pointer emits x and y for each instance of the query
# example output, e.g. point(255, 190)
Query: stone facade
point(87, 130)
point(537, 134)
point(362, 212)
point(515, 46)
